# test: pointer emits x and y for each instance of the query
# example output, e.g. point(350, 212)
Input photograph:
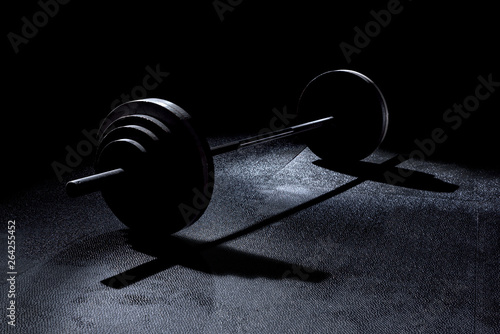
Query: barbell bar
point(155, 169)
point(92, 183)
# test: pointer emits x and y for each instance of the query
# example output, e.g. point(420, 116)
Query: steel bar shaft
point(266, 137)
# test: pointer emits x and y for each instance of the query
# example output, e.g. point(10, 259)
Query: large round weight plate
point(360, 116)
point(171, 186)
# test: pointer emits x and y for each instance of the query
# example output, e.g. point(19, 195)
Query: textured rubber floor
point(287, 245)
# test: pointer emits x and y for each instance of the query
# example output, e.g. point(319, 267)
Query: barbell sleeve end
point(91, 183)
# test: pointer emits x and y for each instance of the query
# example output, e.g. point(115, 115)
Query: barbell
point(155, 169)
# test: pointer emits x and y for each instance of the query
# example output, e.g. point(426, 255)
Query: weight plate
point(360, 116)
point(121, 153)
point(137, 133)
point(152, 124)
point(171, 187)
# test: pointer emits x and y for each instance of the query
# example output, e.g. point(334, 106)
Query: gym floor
point(287, 245)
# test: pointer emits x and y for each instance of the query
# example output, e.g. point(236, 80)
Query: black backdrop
point(230, 74)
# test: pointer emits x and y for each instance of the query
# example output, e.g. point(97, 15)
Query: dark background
point(230, 75)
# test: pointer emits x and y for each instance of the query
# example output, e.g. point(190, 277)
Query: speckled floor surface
point(287, 245)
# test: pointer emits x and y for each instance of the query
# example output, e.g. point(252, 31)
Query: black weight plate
point(121, 153)
point(174, 185)
point(123, 195)
point(137, 133)
point(360, 116)
point(152, 124)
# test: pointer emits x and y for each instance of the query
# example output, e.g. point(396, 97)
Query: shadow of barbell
point(214, 258)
